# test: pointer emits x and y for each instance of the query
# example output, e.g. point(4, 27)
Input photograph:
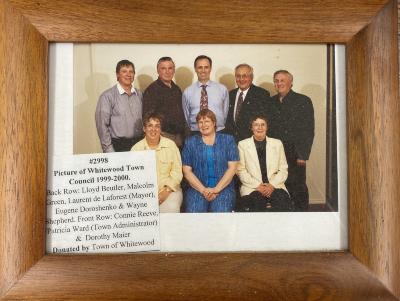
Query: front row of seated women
point(211, 160)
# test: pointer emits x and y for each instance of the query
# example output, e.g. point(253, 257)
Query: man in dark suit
point(293, 123)
point(244, 102)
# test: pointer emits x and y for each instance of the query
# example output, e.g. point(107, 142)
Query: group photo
point(235, 128)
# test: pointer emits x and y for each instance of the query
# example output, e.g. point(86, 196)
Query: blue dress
point(202, 159)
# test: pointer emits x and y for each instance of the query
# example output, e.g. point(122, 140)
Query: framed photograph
point(88, 69)
point(369, 269)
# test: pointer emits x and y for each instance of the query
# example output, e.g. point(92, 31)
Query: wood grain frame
point(369, 270)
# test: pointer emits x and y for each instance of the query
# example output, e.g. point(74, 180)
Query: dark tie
point(203, 98)
point(238, 106)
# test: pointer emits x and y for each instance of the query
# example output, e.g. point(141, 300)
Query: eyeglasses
point(153, 126)
point(242, 76)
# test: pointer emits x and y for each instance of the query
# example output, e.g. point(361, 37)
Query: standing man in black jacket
point(244, 102)
point(293, 123)
point(164, 97)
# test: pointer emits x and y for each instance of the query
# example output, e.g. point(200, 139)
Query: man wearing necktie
point(205, 94)
point(245, 102)
point(119, 112)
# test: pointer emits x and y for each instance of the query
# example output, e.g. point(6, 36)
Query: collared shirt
point(237, 97)
point(165, 100)
point(122, 90)
point(218, 102)
point(168, 161)
point(118, 115)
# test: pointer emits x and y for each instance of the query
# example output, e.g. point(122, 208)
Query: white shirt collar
point(244, 92)
point(199, 84)
point(122, 91)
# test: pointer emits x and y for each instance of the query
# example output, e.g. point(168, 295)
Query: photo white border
point(292, 231)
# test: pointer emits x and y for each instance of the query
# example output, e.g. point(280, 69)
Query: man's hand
point(301, 162)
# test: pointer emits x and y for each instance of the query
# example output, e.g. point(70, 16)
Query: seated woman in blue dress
point(209, 163)
point(262, 171)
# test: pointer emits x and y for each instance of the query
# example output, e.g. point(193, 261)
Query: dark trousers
point(296, 181)
point(297, 187)
point(124, 144)
point(279, 201)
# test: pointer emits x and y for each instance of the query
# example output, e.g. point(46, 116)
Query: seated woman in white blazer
point(262, 171)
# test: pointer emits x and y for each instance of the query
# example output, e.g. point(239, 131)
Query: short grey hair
point(246, 66)
point(284, 72)
point(165, 59)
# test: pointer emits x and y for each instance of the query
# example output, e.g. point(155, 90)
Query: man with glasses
point(245, 102)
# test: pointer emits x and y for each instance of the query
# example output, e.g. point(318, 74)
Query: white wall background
point(94, 72)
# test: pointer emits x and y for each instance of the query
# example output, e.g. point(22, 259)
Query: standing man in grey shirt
point(119, 112)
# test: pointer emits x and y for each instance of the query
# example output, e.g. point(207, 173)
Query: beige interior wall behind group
point(94, 72)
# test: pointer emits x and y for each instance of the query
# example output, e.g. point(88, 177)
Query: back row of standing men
point(291, 115)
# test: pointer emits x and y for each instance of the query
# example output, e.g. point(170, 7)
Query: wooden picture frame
point(369, 270)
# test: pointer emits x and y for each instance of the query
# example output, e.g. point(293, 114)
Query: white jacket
point(249, 168)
